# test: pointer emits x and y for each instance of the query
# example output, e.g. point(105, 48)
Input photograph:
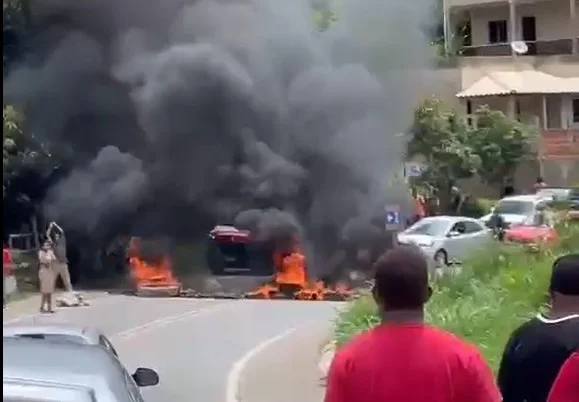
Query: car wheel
point(440, 258)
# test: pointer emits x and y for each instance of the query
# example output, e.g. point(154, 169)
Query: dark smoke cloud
point(238, 109)
point(106, 189)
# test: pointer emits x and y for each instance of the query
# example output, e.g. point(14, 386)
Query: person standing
point(536, 350)
point(566, 387)
point(46, 276)
point(508, 188)
point(539, 184)
point(7, 270)
point(403, 358)
point(61, 264)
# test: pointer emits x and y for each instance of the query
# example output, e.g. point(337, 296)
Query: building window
point(575, 110)
point(498, 31)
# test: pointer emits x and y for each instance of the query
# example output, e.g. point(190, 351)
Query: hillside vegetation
point(495, 291)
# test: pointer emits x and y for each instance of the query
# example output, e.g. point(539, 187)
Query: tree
point(441, 137)
point(501, 144)
point(12, 135)
point(454, 150)
point(324, 14)
point(22, 153)
point(15, 20)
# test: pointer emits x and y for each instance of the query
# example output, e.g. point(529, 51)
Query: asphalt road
point(215, 350)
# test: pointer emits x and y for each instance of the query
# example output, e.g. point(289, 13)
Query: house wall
point(552, 19)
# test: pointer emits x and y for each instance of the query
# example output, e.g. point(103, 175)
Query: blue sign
point(393, 218)
point(413, 169)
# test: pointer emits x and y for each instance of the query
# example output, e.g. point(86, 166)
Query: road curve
point(200, 348)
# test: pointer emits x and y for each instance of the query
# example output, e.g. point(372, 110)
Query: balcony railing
point(536, 48)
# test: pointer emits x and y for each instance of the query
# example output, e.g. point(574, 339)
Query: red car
point(530, 234)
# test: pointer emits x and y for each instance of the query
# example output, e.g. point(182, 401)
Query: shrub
point(477, 208)
point(493, 293)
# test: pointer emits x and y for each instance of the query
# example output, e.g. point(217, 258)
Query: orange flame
point(290, 273)
point(148, 274)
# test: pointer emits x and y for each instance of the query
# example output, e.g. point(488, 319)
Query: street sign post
point(393, 219)
point(414, 169)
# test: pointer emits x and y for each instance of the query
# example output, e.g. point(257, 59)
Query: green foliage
point(15, 20)
point(454, 150)
point(20, 152)
point(324, 14)
point(441, 136)
point(501, 144)
point(475, 208)
point(493, 294)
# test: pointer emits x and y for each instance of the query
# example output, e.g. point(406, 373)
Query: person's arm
point(507, 378)
point(337, 381)
point(566, 386)
point(480, 386)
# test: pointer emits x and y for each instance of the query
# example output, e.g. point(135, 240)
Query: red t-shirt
point(7, 262)
point(566, 386)
point(409, 363)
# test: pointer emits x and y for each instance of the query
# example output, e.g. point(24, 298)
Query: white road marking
point(161, 322)
point(134, 331)
point(234, 377)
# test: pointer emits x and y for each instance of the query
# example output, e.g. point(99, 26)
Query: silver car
point(53, 371)
point(446, 239)
point(60, 332)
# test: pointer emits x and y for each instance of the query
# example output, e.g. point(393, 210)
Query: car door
point(455, 245)
point(132, 389)
point(475, 237)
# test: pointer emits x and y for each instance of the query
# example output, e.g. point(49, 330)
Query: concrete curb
point(326, 357)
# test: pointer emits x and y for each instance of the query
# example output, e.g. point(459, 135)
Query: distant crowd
point(405, 359)
point(429, 205)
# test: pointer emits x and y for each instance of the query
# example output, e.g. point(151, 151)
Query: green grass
point(495, 292)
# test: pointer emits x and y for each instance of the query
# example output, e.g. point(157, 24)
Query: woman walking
point(46, 260)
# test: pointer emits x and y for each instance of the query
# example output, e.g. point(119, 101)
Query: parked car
point(555, 193)
point(531, 234)
point(516, 209)
point(39, 370)
point(60, 332)
point(446, 239)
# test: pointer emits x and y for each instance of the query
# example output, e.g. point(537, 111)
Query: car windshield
point(514, 207)
point(429, 228)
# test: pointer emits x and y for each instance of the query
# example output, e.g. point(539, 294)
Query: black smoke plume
point(184, 114)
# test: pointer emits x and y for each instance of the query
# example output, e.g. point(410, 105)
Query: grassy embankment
point(494, 293)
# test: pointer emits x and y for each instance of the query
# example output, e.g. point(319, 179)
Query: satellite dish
point(519, 47)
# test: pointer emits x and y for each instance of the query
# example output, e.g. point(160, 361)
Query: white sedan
point(446, 239)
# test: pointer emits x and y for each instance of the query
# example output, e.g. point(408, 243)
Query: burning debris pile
point(179, 115)
point(289, 267)
point(150, 268)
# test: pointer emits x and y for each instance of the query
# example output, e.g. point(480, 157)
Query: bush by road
point(486, 301)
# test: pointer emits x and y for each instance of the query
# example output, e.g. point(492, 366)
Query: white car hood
point(417, 239)
point(509, 218)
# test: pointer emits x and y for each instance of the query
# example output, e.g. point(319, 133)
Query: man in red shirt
point(7, 269)
point(566, 387)
point(404, 359)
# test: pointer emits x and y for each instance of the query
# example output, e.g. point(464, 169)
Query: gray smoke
point(238, 109)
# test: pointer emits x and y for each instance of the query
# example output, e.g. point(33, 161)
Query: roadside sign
point(413, 169)
point(392, 215)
